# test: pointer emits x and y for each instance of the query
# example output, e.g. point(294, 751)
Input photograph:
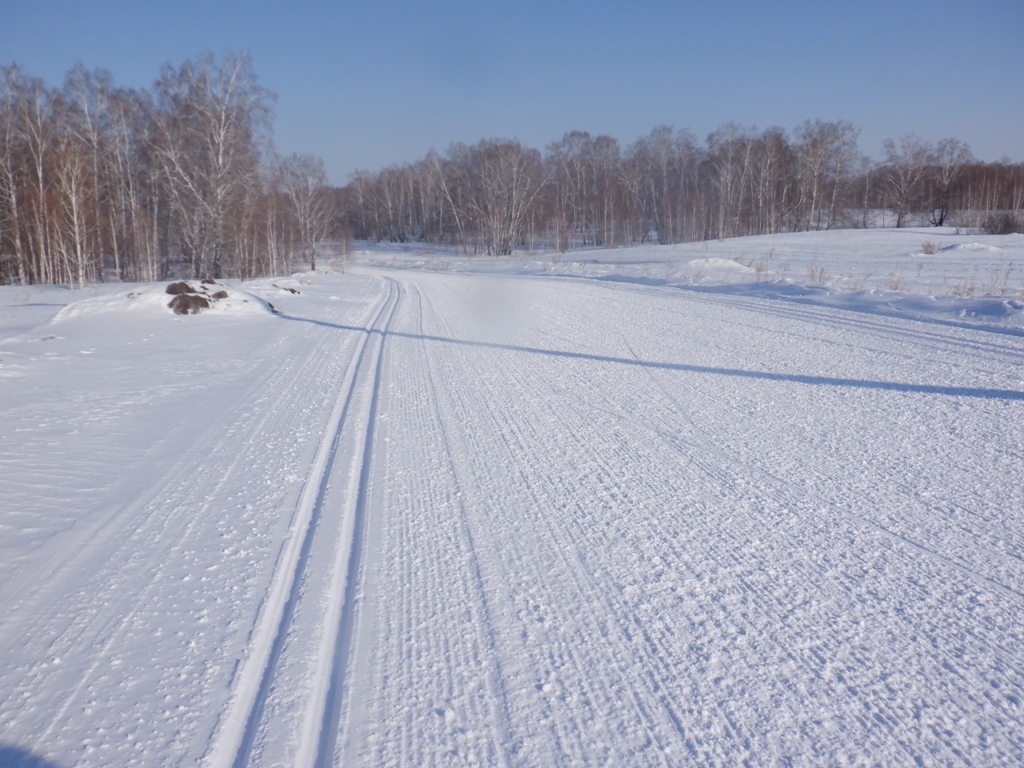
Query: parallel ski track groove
point(118, 531)
point(334, 703)
point(233, 742)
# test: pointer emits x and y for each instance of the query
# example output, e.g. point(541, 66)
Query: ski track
point(157, 589)
point(750, 621)
point(543, 521)
point(445, 683)
point(254, 719)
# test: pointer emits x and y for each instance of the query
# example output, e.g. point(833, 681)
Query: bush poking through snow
point(1004, 224)
point(929, 248)
point(189, 304)
point(191, 301)
point(174, 289)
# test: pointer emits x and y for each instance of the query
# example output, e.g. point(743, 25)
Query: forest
point(101, 183)
point(586, 191)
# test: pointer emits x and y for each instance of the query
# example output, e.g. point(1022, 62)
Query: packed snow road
point(420, 519)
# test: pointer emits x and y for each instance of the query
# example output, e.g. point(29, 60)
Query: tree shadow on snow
point(15, 757)
point(828, 381)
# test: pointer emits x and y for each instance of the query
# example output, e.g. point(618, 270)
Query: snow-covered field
point(734, 503)
point(925, 272)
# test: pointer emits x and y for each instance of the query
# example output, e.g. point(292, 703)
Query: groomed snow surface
point(658, 506)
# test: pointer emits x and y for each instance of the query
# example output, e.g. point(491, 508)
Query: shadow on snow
point(890, 386)
point(15, 757)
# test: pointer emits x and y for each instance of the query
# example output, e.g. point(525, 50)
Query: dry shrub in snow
point(191, 301)
point(174, 289)
point(189, 304)
point(1002, 224)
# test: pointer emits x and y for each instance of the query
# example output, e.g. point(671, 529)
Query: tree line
point(99, 182)
point(668, 187)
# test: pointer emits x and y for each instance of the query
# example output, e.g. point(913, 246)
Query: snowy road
point(423, 519)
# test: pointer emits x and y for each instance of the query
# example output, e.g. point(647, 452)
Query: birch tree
point(11, 226)
point(906, 166)
point(949, 160)
point(826, 155)
point(212, 118)
point(507, 179)
point(305, 185)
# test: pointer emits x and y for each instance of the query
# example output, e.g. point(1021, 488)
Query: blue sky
point(368, 84)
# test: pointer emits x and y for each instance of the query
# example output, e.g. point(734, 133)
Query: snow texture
point(659, 506)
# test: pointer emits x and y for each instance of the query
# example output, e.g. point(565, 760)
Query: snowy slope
point(966, 277)
point(424, 517)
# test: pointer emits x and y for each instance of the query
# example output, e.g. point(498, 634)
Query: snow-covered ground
point(924, 272)
point(653, 506)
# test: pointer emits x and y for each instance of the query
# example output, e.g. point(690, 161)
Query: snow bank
point(154, 301)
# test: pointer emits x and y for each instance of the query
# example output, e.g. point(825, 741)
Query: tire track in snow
point(237, 731)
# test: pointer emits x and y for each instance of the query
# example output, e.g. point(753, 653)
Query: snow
point(883, 271)
point(653, 506)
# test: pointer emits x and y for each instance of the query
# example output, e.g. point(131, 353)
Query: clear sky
point(372, 83)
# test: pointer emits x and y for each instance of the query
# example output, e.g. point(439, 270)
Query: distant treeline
point(99, 182)
point(586, 191)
